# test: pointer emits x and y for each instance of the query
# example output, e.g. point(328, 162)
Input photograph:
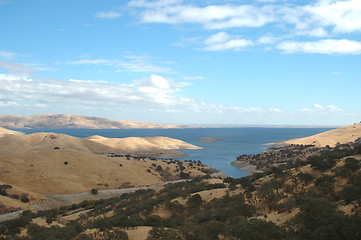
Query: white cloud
point(318, 32)
point(217, 38)
point(91, 61)
point(7, 55)
point(326, 46)
point(17, 69)
point(323, 18)
point(109, 14)
point(129, 63)
point(222, 41)
point(343, 16)
point(267, 40)
point(8, 104)
point(159, 82)
point(153, 4)
point(141, 65)
point(155, 92)
point(268, 0)
point(211, 17)
point(317, 108)
point(190, 78)
point(276, 110)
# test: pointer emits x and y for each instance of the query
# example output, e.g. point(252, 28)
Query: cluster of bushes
point(3, 192)
point(319, 219)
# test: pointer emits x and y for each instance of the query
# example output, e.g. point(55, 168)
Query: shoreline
point(249, 168)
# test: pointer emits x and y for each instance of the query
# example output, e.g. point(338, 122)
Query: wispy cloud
point(3, 2)
point(190, 78)
point(8, 55)
point(141, 64)
point(211, 17)
point(326, 46)
point(317, 108)
point(91, 61)
point(109, 15)
point(222, 41)
point(17, 69)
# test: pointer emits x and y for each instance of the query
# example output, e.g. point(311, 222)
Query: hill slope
point(4, 131)
point(342, 135)
point(74, 121)
point(58, 163)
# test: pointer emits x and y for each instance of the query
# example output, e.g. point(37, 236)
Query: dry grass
point(341, 135)
point(138, 233)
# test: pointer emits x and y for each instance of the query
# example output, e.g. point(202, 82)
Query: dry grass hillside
point(142, 143)
point(74, 121)
point(342, 135)
point(314, 199)
point(4, 131)
point(58, 164)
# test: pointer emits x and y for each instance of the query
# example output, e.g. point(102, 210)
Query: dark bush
point(24, 198)
point(195, 201)
point(352, 164)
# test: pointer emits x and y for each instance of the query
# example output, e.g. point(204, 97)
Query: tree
point(305, 177)
point(195, 201)
point(352, 164)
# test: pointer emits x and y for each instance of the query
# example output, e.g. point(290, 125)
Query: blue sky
point(265, 62)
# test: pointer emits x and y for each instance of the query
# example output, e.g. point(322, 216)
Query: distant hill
point(75, 121)
point(4, 131)
point(342, 135)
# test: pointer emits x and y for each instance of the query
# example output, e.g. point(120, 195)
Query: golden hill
point(142, 143)
point(4, 131)
point(58, 163)
point(74, 121)
point(340, 135)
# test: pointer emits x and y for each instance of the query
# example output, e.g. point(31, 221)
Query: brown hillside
point(57, 163)
point(4, 131)
point(340, 135)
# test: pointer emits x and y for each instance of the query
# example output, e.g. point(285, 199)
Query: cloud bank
point(333, 23)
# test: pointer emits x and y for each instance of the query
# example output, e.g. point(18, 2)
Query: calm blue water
point(217, 154)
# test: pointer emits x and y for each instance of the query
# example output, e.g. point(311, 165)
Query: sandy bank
point(249, 168)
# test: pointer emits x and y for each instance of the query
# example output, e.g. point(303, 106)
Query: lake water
point(219, 154)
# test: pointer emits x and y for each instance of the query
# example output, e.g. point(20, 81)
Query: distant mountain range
point(75, 121)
